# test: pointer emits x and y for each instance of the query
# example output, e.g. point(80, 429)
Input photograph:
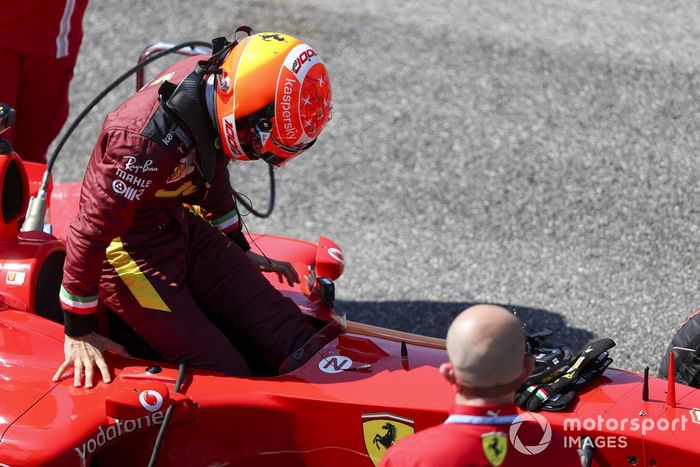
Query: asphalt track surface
point(536, 153)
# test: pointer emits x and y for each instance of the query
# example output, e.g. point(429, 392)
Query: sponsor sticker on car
point(383, 430)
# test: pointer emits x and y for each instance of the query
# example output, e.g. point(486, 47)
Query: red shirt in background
point(479, 436)
point(46, 28)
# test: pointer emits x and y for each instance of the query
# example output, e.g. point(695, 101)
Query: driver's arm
point(109, 200)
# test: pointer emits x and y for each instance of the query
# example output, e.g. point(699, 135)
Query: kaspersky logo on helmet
point(289, 129)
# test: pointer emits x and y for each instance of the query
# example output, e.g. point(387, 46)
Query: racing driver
point(158, 237)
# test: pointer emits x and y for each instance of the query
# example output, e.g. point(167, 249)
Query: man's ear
point(448, 372)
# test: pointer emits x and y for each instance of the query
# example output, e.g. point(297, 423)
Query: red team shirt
point(478, 437)
point(39, 43)
point(45, 28)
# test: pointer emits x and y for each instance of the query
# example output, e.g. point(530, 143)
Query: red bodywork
point(317, 414)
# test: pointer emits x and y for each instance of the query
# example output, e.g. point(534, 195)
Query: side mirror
point(14, 194)
point(329, 259)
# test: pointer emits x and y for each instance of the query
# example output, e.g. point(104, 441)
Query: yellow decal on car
point(381, 431)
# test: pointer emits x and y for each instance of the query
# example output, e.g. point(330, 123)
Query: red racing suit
point(480, 437)
point(187, 289)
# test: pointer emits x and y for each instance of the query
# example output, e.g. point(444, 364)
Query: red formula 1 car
point(342, 399)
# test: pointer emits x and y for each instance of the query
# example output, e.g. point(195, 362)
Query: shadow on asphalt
point(434, 318)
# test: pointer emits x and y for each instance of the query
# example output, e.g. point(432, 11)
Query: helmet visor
point(262, 144)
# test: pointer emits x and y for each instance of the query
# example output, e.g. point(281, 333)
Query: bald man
point(486, 348)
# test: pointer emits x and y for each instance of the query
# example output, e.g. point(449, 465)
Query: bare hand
point(283, 269)
point(83, 354)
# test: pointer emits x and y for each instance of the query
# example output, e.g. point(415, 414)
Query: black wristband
point(76, 325)
point(239, 239)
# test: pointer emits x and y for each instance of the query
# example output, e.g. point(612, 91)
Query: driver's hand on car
point(84, 353)
point(282, 268)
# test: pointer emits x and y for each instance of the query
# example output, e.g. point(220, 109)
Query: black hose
point(166, 419)
point(271, 201)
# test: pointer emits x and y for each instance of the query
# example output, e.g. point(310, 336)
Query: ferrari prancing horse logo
point(381, 431)
point(495, 447)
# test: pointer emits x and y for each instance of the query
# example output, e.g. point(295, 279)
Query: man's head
point(272, 98)
point(486, 347)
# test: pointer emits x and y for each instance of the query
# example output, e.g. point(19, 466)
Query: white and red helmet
point(273, 98)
